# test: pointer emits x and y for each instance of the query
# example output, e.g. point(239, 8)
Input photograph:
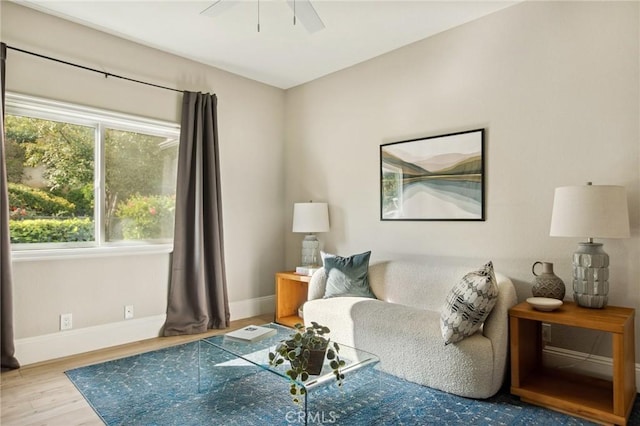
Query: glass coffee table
point(220, 358)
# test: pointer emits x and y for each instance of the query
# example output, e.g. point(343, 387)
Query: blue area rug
point(162, 388)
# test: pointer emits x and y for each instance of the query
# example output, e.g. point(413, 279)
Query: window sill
point(88, 252)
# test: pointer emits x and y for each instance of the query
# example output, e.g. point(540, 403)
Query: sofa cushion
point(468, 304)
point(347, 276)
point(412, 351)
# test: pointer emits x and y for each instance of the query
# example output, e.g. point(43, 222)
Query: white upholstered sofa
point(402, 326)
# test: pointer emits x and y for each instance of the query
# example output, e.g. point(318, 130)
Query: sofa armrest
point(496, 326)
point(317, 285)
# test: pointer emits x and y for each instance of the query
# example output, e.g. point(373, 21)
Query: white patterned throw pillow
point(468, 304)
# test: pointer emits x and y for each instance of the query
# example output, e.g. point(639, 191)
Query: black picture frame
point(434, 178)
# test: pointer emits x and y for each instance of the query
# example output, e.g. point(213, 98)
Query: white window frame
point(30, 106)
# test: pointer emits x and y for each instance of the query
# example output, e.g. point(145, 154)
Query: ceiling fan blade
point(306, 14)
point(218, 8)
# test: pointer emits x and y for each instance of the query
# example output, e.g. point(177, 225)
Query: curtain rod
point(106, 74)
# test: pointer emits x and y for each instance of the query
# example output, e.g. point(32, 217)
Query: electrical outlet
point(128, 312)
point(546, 333)
point(66, 321)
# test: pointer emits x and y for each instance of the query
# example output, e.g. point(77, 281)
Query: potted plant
point(306, 350)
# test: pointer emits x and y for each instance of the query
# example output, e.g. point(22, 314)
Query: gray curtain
point(198, 289)
point(6, 294)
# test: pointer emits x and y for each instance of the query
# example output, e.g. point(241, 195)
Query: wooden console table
point(291, 292)
point(608, 401)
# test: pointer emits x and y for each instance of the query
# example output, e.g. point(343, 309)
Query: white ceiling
point(281, 54)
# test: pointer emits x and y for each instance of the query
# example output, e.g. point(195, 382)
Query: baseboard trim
point(252, 307)
point(30, 350)
point(579, 362)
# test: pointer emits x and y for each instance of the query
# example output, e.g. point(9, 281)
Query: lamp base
point(590, 276)
point(310, 251)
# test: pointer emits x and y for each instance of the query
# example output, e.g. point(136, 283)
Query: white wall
point(95, 290)
point(556, 86)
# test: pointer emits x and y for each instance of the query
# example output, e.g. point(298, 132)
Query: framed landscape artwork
point(433, 178)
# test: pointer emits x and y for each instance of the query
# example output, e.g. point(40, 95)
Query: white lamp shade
point(593, 211)
point(310, 217)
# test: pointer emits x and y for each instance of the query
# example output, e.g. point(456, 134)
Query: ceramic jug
point(547, 284)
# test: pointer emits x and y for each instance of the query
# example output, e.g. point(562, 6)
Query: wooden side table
point(571, 393)
point(291, 292)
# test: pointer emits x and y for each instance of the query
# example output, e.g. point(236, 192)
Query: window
point(82, 177)
point(391, 191)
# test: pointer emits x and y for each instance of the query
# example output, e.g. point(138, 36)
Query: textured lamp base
point(310, 251)
point(591, 276)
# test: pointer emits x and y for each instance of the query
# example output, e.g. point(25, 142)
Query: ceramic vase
point(546, 283)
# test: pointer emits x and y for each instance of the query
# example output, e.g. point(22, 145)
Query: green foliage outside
point(64, 150)
point(51, 230)
point(26, 202)
point(81, 197)
point(147, 217)
point(14, 160)
point(133, 162)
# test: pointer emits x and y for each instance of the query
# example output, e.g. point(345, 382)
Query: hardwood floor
point(41, 394)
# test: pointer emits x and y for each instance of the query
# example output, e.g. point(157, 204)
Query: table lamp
point(309, 218)
point(591, 211)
